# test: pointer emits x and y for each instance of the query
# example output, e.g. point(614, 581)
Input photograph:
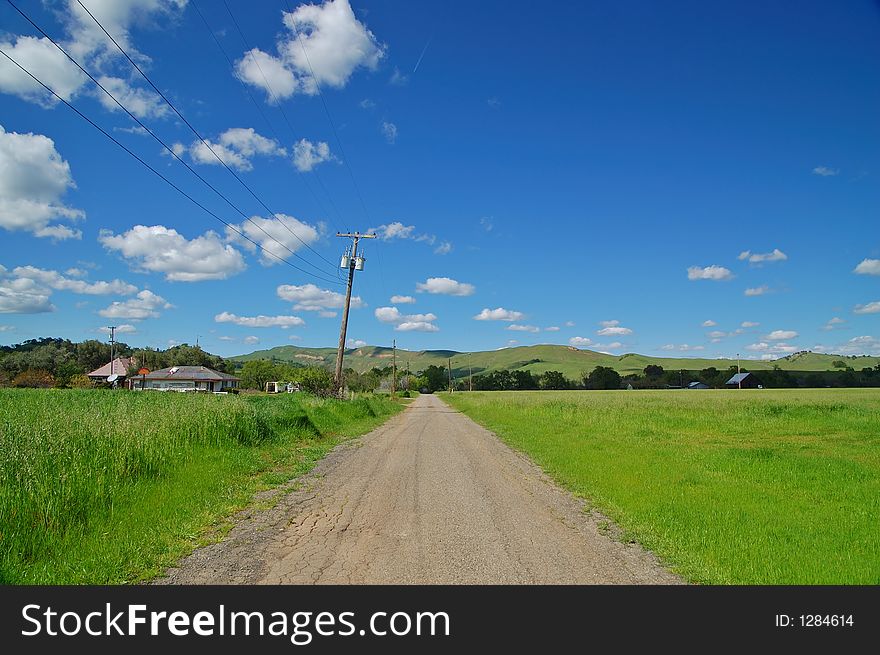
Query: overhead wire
point(206, 143)
point(153, 169)
point(161, 142)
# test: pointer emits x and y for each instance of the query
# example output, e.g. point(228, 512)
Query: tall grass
point(727, 487)
point(100, 486)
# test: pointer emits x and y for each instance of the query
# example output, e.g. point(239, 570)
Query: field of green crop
point(726, 487)
point(111, 487)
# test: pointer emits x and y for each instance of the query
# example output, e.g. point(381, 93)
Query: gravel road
point(428, 498)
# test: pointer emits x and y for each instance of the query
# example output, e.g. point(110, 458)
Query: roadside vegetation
point(726, 487)
point(106, 487)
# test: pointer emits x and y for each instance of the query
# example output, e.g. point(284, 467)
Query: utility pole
point(112, 342)
point(450, 374)
point(351, 262)
point(470, 374)
point(738, 378)
point(393, 367)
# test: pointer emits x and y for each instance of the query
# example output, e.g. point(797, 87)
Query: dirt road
point(430, 497)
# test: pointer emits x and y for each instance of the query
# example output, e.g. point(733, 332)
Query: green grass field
point(112, 487)
point(726, 487)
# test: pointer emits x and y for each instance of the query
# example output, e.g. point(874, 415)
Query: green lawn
point(106, 487)
point(726, 487)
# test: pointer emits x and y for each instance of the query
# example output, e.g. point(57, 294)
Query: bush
point(80, 382)
point(34, 379)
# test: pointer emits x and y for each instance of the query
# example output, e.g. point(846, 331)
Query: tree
point(437, 376)
point(315, 380)
point(602, 377)
point(653, 371)
point(837, 363)
point(34, 379)
point(256, 373)
point(555, 380)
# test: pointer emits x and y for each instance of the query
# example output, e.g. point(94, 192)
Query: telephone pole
point(352, 262)
point(394, 367)
point(738, 378)
point(470, 374)
point(112, 342)
point(449, 361)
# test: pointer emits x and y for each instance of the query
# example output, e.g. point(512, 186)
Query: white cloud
point(56, 281)
point(606, 347)
point(389, 131)
point(397, 78)
point(833, 324)
point(332, 44)
point(235, 147)
point(779, 348)
point(20, 295)
point(523, 328)
point(498, 314)
point(757, 291)
point(569, 324)
point(279, 236)
point(310, 298)
point(225, 338)
point(260, 321)
point(609, 323)
point(681, 348)
point(125, 328)
point(580, 342)
point(868, 267)
point(33, 179)
point(862, 345)
point(160, 249)
point(749, 324)
point(144, 305)
point(366, 103)
point(709, 323)
point(402, 300)
point(395, 230)
point(758, 258)
point(355, 343)
point(307, 155)
point(486, 223)
point(446, 286)
point(781, 335)
point(406, 322)
point(47, 63)
point(614, 331)
point(143, 103)
point(7, 328)
point(552, 328)
point(713, 272)
point(251, 340)
point(824, 171)
point(869, 308)
point(443, 249)
point(718, 334)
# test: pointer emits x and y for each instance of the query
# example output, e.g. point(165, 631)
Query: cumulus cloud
point(781, 335)
point(614, 331)
point(19, 295)
point(143, 103)
point(868, 267)
point(498, 314)
point(718, 334)
point(443, 249)
point(446, 286)
point(33, 179)
point(569, 324)
point(324, 45)
point(759, 258)
point(833, 324)
point(260, 321)
point(27, 289)
point(609, 323)
point(235, 147)
point(682, 347)
point(713, 272)
point(160, 249)
point(389, 131)
point(868, 308)
point(47, 63)
point(580, 342)
point(757, 291)
point(307, 155)
point(778, 348)
point(145, 304)
point(279, 236)
point(523, 328)
point(749, 324)
point(355, 343)
point(402, 300)
point(861, 345)
point(251, 340)
point(125, 328)
point(825, 171)
point(709, 323)
point(310, 298)
point(552, 328)
point(58, 282)
point(395, 230)
point(406, 322)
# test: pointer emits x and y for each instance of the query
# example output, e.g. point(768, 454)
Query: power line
point(162, 143)
point(154, 171)
point(277, 103)
point(199, 136)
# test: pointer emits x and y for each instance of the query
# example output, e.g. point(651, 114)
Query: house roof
point(696, 384)
point(739, 377)
point(120, 366)
point(201, 373)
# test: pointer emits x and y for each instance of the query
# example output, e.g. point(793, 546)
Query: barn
point(187, 378)
point(744, 380)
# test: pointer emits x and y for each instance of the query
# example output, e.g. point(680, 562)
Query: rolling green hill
point(538, 359)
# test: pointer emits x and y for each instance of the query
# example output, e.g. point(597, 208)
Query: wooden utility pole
point(738, 378)
point(393, 367)
point(470, 374)
point(112, 343)
point(450, 374)
point(351, 263)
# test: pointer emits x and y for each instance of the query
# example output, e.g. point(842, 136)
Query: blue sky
point(664, 178)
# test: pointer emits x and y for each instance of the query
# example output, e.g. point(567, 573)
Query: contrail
point(424, 50)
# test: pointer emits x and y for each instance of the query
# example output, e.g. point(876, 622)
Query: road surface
point(428, 498)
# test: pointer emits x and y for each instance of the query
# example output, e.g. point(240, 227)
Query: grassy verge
point(106, 488)
point(727, 487)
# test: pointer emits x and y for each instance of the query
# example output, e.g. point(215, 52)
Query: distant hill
point(570, 361)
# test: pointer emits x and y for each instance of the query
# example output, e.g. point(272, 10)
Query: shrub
point(34, 379)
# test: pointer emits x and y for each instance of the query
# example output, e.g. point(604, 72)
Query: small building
point(696, 384)
point(118, 367)
point(281, 387)
point(187, 378)
point(743, 380)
